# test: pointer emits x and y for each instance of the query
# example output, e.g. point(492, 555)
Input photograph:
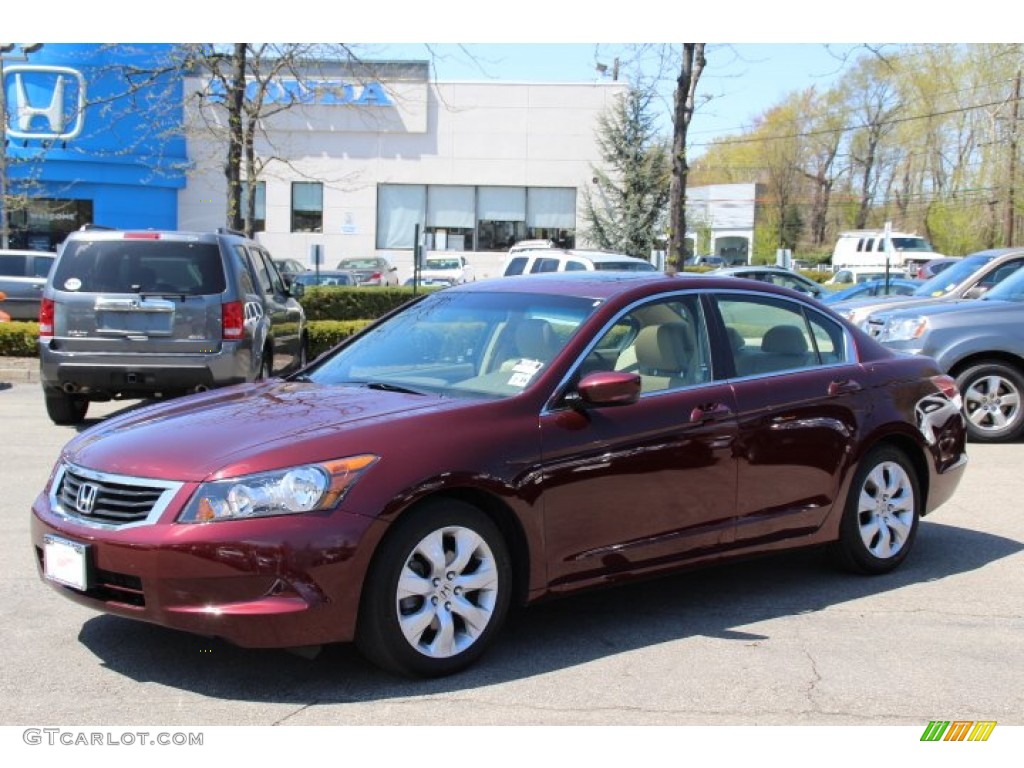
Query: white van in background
point(866, 248)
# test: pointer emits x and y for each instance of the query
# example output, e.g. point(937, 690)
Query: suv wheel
point(64, 409)
point(993, 396)
point(266, 369)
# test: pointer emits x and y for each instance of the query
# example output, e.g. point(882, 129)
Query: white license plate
point(66, 562)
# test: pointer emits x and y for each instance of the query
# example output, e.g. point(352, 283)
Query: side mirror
point(297, 290)
point(608, 388)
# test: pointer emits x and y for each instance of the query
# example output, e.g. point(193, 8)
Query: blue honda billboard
point(94, 122)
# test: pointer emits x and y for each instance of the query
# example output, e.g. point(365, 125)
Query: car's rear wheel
point(65, 409)
point(882, 512)
point(993, 395)
point(437, 591)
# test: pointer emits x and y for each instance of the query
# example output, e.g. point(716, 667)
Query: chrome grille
point(97, 498)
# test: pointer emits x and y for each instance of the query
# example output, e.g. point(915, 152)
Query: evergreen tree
point(625, 210)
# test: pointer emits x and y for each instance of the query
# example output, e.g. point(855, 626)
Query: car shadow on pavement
point(716, 602)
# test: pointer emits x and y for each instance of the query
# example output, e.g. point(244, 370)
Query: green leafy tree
point(625, 210)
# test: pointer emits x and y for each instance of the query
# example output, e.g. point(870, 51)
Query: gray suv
point(978, 341)
point(159, 314)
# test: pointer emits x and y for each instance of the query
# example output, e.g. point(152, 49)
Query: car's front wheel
point(437, 591)
point(882, 512)
point(993, 395)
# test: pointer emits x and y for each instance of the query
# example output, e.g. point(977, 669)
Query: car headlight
point(903, 329)
point(306, 488)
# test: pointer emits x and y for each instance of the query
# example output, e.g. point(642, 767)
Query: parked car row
point(969, 317)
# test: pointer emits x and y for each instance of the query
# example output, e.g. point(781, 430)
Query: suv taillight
point(232, 317)
point(46, 319)
point(375, 276)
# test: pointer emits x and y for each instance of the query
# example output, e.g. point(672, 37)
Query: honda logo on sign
point(44, 102)
point(86, 499)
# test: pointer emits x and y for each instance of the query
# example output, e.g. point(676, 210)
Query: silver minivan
point(159, 314)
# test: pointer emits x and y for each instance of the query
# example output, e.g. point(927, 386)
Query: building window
point(551, 215)
point(259, 218)
point(466, 218)
point(400, 207)
point(501, 217)
point(451, 215)
point(307, 206)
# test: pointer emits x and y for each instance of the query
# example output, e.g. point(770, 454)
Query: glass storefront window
point(466, 218)
point(307, 206)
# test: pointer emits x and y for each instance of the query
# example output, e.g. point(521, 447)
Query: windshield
point(950, 279)
point(911, 244)
point(461, 344)
point(624, 266)
point(357, 264)
point(1010, 289)
point(442, 264)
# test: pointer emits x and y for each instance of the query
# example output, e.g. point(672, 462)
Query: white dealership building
point(366, 160)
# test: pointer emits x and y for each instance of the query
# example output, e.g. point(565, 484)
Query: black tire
point(434, 625)
point(883, 509)
point(266, 369)
point(63, 409)
point(993, 395)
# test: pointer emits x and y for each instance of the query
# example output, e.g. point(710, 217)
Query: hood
point(251, 427)
point(963, 310)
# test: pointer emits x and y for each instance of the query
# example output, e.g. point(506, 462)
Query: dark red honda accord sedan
point(502, 441)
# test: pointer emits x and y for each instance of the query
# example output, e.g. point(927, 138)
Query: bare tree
point(685, 101)
point(245, 83)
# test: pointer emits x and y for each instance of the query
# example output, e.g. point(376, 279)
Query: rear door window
point(515, 266)
point(12, 265)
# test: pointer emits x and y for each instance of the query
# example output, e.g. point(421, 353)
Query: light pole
point(6, 50)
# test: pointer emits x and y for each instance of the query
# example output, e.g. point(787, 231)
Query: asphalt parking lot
point(785, 640)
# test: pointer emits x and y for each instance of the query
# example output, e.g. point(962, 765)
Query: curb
point(19, 370)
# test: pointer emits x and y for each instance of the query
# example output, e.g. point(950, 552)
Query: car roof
point(602, 285)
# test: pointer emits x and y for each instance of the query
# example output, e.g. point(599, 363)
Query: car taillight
point(46, 319)
point(141, 235)
point(232, 320)
point(375, 276)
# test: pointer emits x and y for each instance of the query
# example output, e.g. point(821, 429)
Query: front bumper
point(274, 582)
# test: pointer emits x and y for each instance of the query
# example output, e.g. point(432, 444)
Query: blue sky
point(771, 48)
point(740, 81)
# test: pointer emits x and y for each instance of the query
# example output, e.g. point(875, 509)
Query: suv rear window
point(140, 266)
point(625, 266)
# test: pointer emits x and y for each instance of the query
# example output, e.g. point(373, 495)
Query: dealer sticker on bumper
point(66, 562)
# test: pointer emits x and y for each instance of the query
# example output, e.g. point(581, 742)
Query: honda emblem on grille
point(86, 499)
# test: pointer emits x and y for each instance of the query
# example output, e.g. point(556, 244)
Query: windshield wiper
point(385, 386)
